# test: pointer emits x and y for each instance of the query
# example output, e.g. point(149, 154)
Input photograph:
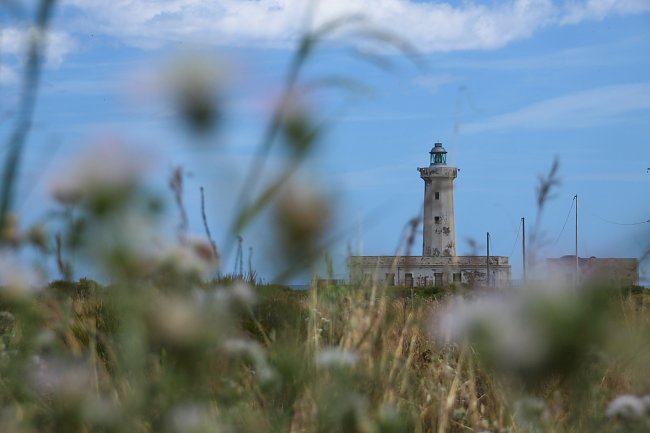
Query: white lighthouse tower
point(438, 266)
point(439, 227)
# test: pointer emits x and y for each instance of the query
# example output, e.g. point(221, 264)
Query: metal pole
point(488, 259)
point(577, 279)
point(523, 244)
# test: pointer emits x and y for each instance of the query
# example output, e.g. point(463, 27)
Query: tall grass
point(82, 357)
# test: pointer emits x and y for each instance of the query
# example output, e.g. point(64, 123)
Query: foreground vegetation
point(236, 358)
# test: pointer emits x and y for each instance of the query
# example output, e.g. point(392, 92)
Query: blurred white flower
point(335, 357)
point(303, 215)
point(646, 401)
point(194, 418)
point(195, 81)
point(175, 320)
point(254, 352)
point(69, 379)
point(100, 411)
point(529, 333)
point(515, 338)
point(19, 279)
point(192, 256)
point(531, 410)
point(241, 292)
point(626, 406)
point(107, 166)
point(237, 293)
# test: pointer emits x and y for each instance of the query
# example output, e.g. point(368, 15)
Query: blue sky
point(505, 85)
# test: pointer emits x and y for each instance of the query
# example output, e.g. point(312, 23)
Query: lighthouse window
point(437, 196)
point(436, 220)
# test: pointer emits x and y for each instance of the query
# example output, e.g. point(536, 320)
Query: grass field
point(80, 357)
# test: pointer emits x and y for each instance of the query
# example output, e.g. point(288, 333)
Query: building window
point(437, 277)
point(436, 220)
point(457, 277)
point(437, 195)
point(408, 280)
point(390, 279)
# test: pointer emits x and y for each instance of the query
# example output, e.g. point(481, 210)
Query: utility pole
point(488, 259)
point(239, 265)
point(577, 279)
point(250, 262)
point(523, 244)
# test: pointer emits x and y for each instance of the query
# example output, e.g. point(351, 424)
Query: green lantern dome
point(438, 155)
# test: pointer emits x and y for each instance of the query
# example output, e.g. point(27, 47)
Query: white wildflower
point(99, 410)
point(176, 320)
point(195, 82)
point(69, 379)
point(18, 279)
point(238, 293)
point(626, 406)
point(105, 167)
point(513, 337)
point(254, 352)
point(193, 256)
point(303, 216)
point(193, 418)
point(335, 357)
point(531, 409)
point(243, 293)
point(646, 402)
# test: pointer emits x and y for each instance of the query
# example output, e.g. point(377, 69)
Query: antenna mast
point(577, 258)
point(488, 259)
point(239, 259)
point(523, 244)
point(250, 262)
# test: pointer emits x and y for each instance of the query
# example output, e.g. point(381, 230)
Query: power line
point(514, 245)
point(565, 221)
point(616, 223)
point(622, 224)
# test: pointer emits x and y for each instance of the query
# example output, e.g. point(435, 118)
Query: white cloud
point(14, 42)
point(603, 105)
point(599, 9)
point(7, 75)
point(431, 26)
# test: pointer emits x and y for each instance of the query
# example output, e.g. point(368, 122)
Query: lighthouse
point(438, 266)
point(439, 229)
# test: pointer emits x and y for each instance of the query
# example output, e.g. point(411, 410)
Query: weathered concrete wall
point(438, 224)
point(602, 270)
point(418, 271)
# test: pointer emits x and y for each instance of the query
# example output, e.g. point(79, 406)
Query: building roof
point(437, 148)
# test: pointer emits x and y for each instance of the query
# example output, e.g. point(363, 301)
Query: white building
point(439, 265)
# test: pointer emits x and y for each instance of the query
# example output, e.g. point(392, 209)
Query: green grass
point(343, 359)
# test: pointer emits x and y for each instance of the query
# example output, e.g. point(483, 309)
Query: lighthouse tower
point(439, 227)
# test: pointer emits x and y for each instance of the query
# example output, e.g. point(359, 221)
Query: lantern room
point(438, 155)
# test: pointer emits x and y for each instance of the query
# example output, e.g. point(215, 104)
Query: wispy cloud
point(603, 105)
point(14, 43)
point(434, 82)
point(384, 176)
point(599, 9)
point(431, 26)
point(585, 56)
point(7, 75)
